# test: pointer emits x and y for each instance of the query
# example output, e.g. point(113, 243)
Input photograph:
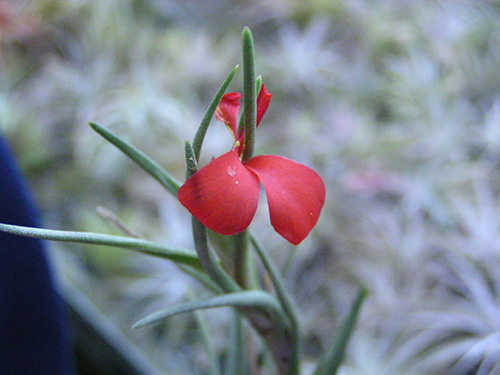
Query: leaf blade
point(205, 122)
point(181, 256)
point(249, 94)
point(247, 299)
point(141, 159)
point(330, 362)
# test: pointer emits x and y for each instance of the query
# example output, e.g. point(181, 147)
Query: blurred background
point(396, 103)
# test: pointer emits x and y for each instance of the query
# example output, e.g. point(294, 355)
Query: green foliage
point(395, 104)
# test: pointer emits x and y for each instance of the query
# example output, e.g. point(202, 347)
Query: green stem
point(241, 260)
point(281, 293)
point(205, 254)
point(242, 277)
point(236, 360)
point(208, 259)
point(258, 86)
point(249, 94)
point(284, 298)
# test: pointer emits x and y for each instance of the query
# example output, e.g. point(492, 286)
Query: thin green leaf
point(249, 299)
point(330, 362)
point(205, 122)
point(180, 256)
point(236, 355)
point(274, 274)
point(202, 277)
point(207, 340)
point(144, 161)
point(249, 94)
point(284, 298)
point(273, 329)
point(208, 258)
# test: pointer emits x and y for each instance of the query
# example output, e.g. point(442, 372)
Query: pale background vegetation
point(396, 103)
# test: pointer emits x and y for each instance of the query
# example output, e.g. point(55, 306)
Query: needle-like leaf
point(180, 256)
point(249, 299)
point(202, 129)
point(331, 360)
point(249, 93)
point(144, 161)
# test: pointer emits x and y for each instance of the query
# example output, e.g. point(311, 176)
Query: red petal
point(223, 195)
point(295, 194)
point(228, 109)
point(263, 101)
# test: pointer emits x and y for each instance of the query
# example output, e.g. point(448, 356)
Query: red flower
point(224, 194)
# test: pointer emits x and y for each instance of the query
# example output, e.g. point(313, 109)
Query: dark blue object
point(33, 329)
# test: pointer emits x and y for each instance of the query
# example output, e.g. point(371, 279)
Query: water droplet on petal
point(231, 171)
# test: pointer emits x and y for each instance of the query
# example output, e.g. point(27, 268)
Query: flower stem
point(205, 254)
point(208, 259)
point(249, 94)
point(242, 261)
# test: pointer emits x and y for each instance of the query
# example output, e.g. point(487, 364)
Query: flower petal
point(295, 194)
point(227, 111)
point(223, 195)
point(263, 101)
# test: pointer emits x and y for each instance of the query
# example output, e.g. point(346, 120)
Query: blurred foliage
point(396, 103)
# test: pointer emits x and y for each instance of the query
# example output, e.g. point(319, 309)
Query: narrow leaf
point(249, 94)
point(254, 299)
point(144, 161)
point(180, 256)
point(201, 276)
point(236, 356)
point(202, 129)
point(331, 360)
point(284, 298)
point(207, 340)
